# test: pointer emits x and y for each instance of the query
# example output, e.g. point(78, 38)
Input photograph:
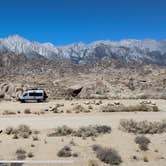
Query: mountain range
point(143, 51)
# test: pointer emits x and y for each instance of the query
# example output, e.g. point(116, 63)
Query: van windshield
point(25, 94)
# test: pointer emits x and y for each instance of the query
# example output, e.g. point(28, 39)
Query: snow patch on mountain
point(148, 51)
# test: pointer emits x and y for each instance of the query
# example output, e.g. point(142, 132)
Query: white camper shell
point(38, 95)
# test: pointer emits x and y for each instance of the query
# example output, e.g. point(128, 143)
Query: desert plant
point(21, 131)
point(90, 131)
point(15, 136)
point(32, 145)
point(87, 131)
point(72, 143)
point(145, 159)
point(142, 127)
point(30, 155)
point(143, 142)
point(65, 152)
point(35, 138)
point(107, 155)
point(68, 111)
point(21, 154)
point(7, 112)
point(27, 111)
point(9, 130)
point(62, 131)
point(75, 154)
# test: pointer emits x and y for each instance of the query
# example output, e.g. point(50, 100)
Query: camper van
point(38, 95)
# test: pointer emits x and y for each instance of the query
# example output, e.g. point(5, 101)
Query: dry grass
point(107, 155)
point(93, 163)
point(79, 109)
point(143, 127)
point(89, 131)
point(132, 108)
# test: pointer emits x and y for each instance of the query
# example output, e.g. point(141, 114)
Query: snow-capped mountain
point(147, 51)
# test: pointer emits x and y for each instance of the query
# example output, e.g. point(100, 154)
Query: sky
point(68, 21)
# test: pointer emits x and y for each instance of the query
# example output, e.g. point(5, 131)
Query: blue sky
point(68, 21)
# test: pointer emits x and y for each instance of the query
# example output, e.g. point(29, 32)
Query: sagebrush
point(143, 142)
point(88, 131)
point(142, 127)
point(107, 155)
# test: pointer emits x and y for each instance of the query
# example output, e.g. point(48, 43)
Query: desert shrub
point(143, 127)
point(22, 131)
point(9, 130)
point(88, 131)
point(96, 147)
point(103, 129)
point(65, 152)
point(90, 107)
point(35, 138)
point(32, 145)
point(107, 155)
point(15, 136)
point(62, 131)
point(92, 163)
point(72, 143)
point(75, 154)
point(143, 142)
point(68, 111)
point(27, 111)
point(7, 112)
point(21, 154)
point(145, 159)
point(132, 108)
point(134, 157)
point(85, 132)
point(30, 155)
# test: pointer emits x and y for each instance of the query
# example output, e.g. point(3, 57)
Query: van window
point(35, 94)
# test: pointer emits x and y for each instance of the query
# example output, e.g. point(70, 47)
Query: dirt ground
point(46, 148)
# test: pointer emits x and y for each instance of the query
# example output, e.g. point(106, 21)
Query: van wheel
point(22, 101)
point(38, 101)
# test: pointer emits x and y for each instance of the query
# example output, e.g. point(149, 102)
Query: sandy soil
point(46, 148)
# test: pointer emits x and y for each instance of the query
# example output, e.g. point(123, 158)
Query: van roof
point(35, 90)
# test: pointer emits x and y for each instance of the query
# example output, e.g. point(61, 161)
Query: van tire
point(22, 101)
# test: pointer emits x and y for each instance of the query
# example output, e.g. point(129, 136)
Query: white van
point(38, 95)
